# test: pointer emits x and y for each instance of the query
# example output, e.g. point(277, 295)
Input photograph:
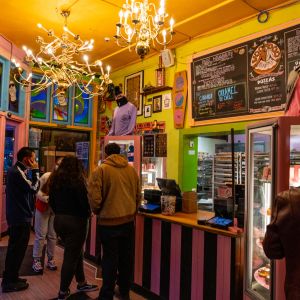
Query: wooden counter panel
point(190, 220)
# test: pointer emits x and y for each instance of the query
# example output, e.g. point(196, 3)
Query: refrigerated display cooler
point(272, 167)
point(130, 147)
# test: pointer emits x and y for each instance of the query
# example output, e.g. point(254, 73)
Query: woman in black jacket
point(68, 199)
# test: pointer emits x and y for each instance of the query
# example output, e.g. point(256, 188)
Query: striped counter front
point(177, 259)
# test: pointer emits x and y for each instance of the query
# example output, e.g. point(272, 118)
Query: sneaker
point(87, 287)
point(51, 265)
point(63, 295)
point(19, 279)
point(37, 266)
point(14, 286)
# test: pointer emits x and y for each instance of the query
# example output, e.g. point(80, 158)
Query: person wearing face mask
point(44, 226)
point(20, 190)
point(124, 116)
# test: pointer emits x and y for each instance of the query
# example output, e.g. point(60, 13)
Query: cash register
point(166, 187)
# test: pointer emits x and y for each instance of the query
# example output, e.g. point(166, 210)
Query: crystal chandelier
point(145, 22)
point(56, 61)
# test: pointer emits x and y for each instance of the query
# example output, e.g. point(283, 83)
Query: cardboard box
point(189, 202)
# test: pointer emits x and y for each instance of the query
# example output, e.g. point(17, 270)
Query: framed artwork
point(13, 90)
point(157, 104)
point(81, 107)
point(38, 102)
point(60, 105)
point(133, 90)
point(147, 111)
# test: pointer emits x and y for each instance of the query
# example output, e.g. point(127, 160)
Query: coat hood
point(116, 160)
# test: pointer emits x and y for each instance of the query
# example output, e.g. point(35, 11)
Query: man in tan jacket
point(114, 194)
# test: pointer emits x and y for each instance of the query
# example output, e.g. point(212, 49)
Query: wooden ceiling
point(97, 18)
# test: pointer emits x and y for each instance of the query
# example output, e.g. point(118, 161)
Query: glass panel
point(14, 91)
point(295, 156)
point(81, 107)
point(258, 275)
point(127, 149)
point(38, 103)
point(61, 105)
point(152, 168)
point(8, 150)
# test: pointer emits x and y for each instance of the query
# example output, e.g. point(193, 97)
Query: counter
point(175, 258)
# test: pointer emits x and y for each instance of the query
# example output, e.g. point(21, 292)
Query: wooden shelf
point(156, 90)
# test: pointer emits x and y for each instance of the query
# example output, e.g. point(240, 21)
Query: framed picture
point(157, 104)
point(147, 111)
point(133, 90)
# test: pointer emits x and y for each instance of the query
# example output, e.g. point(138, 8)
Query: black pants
point(17, 244)
point(72, 231)
point(117, 244)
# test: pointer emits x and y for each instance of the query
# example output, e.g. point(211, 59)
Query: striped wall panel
point(181, 263)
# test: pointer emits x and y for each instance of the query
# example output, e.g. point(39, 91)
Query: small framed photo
point(147, 111)
point(157, 104)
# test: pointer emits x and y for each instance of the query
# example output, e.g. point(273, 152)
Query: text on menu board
point(247, 78)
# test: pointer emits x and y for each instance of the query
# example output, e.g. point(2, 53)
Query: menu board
point(161, 145)
point(148, 145)
point(245, 79)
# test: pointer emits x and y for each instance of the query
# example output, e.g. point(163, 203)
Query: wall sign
point(248, 78)
point(179, 98)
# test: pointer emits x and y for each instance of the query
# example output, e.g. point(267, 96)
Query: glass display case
point(272, 166)
point(130, 147)
point(152, 168)
point(258, 277)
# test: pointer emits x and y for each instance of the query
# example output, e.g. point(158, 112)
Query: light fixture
point(144, 22)
point(57, 61)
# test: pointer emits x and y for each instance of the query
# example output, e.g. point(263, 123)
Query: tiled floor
point(45, 287)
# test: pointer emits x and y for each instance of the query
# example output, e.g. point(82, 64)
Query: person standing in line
point(20, 192)
point(114, 194)
point(44, 226)
point(68, 199)
point(282, 238)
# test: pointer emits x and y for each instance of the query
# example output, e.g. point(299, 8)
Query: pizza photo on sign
point(265, 58)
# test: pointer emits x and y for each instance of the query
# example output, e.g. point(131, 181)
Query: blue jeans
point(117, 244)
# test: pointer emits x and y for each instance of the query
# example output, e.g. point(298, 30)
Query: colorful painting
point(60, 104)
point(81, 107)
point(13, 91)
point(38, 102)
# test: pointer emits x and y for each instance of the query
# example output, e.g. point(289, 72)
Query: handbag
point(41, 206)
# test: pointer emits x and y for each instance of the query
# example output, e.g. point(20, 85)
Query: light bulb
point(85, 58)
point(39, 25)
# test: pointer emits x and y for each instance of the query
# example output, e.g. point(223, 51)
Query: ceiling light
point(57, 61)
point(141, 23)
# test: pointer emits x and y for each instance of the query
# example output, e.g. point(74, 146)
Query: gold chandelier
point(57, 62)
point(146, 23)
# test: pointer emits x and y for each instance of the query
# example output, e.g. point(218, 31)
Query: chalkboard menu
point(247, 78)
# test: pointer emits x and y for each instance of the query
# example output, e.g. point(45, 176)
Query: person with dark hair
point(20, 189)
point(124, 115)
point(68, 199)
point(114, 194)
point(44, 226)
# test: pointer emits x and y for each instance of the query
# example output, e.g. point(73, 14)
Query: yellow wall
point(183, 55)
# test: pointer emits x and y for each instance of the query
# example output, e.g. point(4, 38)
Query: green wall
point(180, 163)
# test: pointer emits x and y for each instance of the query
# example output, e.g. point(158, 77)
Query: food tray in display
point(261, 280)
